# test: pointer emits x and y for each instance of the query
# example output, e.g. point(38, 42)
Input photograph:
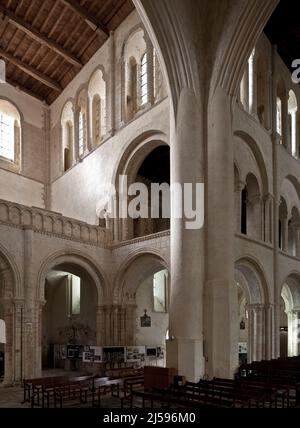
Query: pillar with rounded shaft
point(293, 330)
point(8, 315)
point(257, 313)
point(150, 76)
point(185, 347)
point(221, 319)
point(297, 239)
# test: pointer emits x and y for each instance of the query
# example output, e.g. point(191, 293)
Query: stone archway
point(250, 279)
point(290, 294)
point(132, 289)
point(11, 303)
point(94, 289)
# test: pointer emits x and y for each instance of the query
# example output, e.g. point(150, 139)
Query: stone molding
point(52, 224)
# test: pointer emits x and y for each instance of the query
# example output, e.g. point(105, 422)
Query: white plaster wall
point(77, 192)
point(154, 335)
point(30, 107)
point(20, 189)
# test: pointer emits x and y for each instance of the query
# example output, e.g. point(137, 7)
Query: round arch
point(75, 261)
point(148, 260)
point(258, 157)
point(253, 273)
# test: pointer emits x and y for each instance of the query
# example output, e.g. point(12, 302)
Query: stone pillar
point(112, 94)
point(221, 327)
point(185, 347)
point(130, 323)
point(269, 336)
point(18, 339)
point(127, 229)
point(257, 332)
point(100, 324)
point(285, 234)
point(268, 218)
point(9, 375)
point(297, 239)
point(253, 64)
point(150, 65)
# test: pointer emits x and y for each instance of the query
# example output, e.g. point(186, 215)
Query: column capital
point(239, 186)
point(268, 197)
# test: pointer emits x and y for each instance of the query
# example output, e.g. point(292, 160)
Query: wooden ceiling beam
point(39, 37)
point(33, 72)
point(90, 19)
point(24, 89)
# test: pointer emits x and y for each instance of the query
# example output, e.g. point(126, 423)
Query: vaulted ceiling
point(45, 43)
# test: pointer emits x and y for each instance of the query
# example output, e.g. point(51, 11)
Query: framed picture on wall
point(145, 320)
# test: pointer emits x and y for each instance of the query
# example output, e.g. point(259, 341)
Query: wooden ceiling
point(45, 43)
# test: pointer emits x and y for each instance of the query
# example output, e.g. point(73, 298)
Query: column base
point(186, 355)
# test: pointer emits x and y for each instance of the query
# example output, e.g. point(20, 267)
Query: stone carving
point(43, 221)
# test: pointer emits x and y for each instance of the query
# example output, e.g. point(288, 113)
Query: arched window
point(97, 102)
point(292, 110)
point(251, 81)
point(279, 116)
point(135, 76)
point(67, 124)
point(81, 132)
point(7, 138)
point(10, 135)
point(81, 121)
point(160, 287)
point(281, 111)
point(144, 80)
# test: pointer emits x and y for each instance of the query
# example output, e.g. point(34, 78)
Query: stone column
point(285, 234)
point(130, 323)
point(269, 336)
point(18, 339)
point(100, 324)
point(268, 218)
point(185, 347)
point(112, 94)
point(9, 375)
point(150, 74)
point(297, 239)
point(253, 63)
point(257, 332)
point(221, 326)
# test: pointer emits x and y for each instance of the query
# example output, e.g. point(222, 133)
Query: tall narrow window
point(7, 146)
point(144, 80)
point(73, 295)
point(278, 116)
point(81, 133)
point(160, 291)
point(251, 81)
